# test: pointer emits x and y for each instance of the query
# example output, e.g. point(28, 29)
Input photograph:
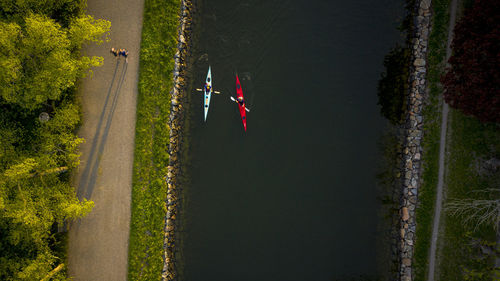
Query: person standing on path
point(114, 52)
point(124, 53)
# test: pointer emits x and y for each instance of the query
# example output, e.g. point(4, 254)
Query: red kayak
point(239, 95)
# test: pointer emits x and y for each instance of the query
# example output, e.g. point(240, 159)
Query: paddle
point(201, 90)
point(233, 99)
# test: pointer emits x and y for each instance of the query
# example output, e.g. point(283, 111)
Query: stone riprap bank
point(413, 137)
point(175, 122)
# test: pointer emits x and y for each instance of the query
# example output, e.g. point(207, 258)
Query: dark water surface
point(295, 197)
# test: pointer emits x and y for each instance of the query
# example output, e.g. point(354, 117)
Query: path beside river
point(442, 156)
point(98, 243)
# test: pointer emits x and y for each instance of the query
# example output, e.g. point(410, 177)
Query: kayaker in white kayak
point(207, 88)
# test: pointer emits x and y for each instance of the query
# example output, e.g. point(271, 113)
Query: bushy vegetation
point(149, 190)
point(64, 11)
point(471, 82)
point(392, 89)
point(39, 66)
point(393, 86)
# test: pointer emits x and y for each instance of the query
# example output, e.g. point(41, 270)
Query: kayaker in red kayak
point(241, 101)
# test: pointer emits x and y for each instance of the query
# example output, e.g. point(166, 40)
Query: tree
point(471, 83)
point(34, 196)
point(393, 85)
point(60, 10)
point(476, 212)
point(31, 206)
point(39, 65)
point(36, 62)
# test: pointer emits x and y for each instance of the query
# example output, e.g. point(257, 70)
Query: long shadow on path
point(89, 176)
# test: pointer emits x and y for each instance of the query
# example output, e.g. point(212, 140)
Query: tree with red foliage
point(472, 82)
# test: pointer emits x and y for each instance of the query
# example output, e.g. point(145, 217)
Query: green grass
point(432, 116)
point(470, 141)
point(149, 190)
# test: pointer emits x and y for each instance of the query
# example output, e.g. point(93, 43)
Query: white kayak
point(208, 94)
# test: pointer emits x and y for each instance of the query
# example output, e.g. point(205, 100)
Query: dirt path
point(98, 243)
point(442, 150)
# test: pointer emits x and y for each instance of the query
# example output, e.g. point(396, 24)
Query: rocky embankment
point(414, 131)
point(175, 123)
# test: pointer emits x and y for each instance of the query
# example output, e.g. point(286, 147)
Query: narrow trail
point(98, 243)
point(442, 157)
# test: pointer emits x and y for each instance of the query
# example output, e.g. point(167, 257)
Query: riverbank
point(153, 137)
point(432, 127)
point(470, 145)
point(176, 120)
point(412, 147)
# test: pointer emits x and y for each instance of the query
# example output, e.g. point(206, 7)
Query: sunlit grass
point(149, 191)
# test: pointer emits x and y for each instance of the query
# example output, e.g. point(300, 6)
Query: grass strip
point(471, 143)
point(432, 116)
point(149, 190)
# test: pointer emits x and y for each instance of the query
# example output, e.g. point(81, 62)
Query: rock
point(425, 32)
point(417, 156)
point(421, 68)
point(419, 62)
point(425, 4)
point(404, 214)
point(173, 157)
point(406, 262)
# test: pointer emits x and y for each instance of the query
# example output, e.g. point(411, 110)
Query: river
point(295, 197)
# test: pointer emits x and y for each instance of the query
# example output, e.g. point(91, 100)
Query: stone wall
point(175, 123)
point(413, 136)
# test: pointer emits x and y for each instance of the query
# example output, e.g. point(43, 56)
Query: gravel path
point(442, 150)
point(98, 243)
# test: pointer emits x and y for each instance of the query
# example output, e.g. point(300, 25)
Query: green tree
point(37, 62)
point(32, 202)
point(61, 10)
